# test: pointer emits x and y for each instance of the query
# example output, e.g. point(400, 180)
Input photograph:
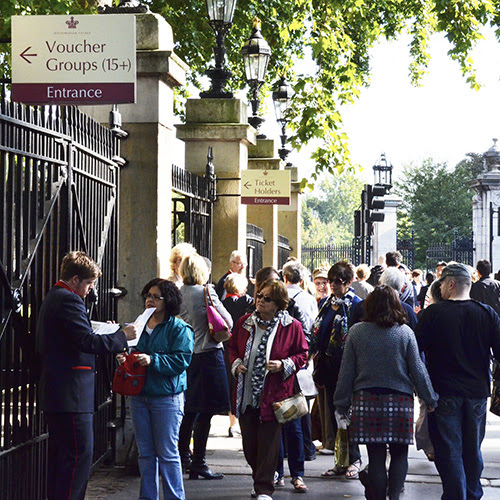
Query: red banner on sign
point(73, 93)
point(255, 200)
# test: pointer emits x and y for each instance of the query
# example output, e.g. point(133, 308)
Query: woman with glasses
point(165, 347)
point(207, 393)
point(328, 338)
point(267, 348)
point(380, 369)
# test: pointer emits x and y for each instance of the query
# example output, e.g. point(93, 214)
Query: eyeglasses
point(241, 264)
point(265, 298)
point(153, 297)
point(337, 281)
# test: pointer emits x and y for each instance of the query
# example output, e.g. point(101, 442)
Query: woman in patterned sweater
point(380, 369)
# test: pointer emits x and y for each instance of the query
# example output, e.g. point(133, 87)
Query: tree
point(336, 34)
point(436, 202)
point(328, 215)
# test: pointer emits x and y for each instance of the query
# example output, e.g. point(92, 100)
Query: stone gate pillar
point(222, 124)
point(146, 179)
point(262, 157)
point(385, 234)
point(485, 212)
point(290, 217)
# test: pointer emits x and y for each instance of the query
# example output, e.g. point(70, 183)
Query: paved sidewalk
point(225, 455)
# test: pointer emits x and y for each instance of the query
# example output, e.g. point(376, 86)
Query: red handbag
point(129, 377)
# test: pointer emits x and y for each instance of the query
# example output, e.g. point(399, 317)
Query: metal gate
point(407, 250)
point(58, 192)
point(313, 257)
point(192, 207)
point(461, 249)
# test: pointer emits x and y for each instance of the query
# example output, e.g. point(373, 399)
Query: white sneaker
point(264, 497)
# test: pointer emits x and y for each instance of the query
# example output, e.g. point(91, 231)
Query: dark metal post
point(491, 231)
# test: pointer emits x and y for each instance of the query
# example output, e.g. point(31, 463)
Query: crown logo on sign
point(72, 23)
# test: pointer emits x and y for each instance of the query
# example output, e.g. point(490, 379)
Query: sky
point(444, 119)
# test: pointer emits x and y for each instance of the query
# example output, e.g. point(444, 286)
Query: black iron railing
point(255, 247)
point(284, 250)
point(59, 192)
point(461, 249)
point(192, 208)
point(327, 255)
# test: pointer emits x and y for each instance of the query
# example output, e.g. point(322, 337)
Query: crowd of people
point(324, 334)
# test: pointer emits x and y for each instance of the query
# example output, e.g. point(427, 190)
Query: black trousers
point(261, 445)
point(71, 445)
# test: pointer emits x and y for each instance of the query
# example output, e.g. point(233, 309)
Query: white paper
point(140, 324)
point(100, 328)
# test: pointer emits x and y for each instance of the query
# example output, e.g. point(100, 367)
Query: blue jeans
point(457, 429)
point(156, 422)
point(292, 433)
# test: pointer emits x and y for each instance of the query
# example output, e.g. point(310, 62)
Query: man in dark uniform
point(67, 347)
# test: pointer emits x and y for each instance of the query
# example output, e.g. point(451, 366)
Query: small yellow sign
point(265, 187)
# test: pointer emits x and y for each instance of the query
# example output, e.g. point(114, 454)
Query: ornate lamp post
point(382, 173)
point(282, 95)
point(220, 15)
point(256, 53)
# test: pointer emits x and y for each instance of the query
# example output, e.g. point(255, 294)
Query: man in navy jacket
point(67, 347)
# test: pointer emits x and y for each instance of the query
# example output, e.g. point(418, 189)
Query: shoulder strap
point(207, 294)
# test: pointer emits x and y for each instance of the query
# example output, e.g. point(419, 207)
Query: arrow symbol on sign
point(24, 55)
point(248, 184)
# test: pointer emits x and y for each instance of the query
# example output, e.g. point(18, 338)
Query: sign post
point(87, 59)
point(265, 187)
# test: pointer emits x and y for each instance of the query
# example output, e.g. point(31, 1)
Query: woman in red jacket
point(266, 349)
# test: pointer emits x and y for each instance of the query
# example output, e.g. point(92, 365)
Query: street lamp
point(220, 15)
point(282, 94)
point(256, 53)
point(382, 173)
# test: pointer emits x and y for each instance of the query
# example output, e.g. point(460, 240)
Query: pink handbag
point(216, 323)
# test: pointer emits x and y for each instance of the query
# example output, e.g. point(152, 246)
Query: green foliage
point(336, 34)
point(436, 201)
point(328, 214)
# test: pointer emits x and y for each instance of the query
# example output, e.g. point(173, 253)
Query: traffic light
point(373, 204)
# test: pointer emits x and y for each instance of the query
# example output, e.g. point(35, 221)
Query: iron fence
point(407, 250)
point(315, 256)
point(284, 250)
point(192, 208)
point(461, 249)
point(59, 192)
point(255, 247)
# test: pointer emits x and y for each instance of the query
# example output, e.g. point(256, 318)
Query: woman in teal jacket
point(165, 347)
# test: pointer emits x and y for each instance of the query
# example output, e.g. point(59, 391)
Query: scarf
point(338, 332)
point(259, 365)
point(259, 371)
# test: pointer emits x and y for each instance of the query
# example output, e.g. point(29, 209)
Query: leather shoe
point(204, 471)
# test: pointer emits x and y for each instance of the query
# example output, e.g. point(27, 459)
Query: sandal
point(338, 470)
point(298, 484)
point(278, 481)
point(352, 471)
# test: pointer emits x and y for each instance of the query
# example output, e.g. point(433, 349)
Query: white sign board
point(265, 187)
point(87, 59)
